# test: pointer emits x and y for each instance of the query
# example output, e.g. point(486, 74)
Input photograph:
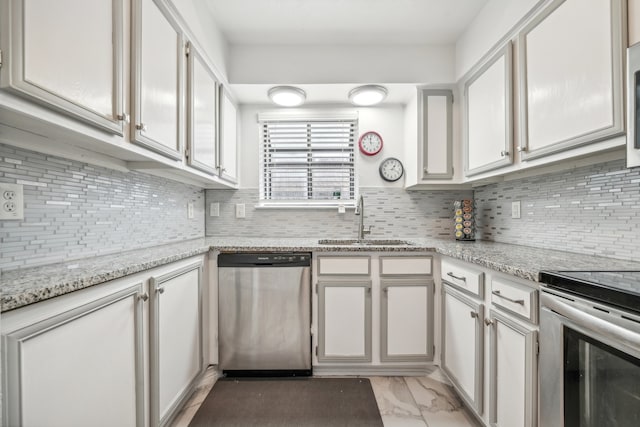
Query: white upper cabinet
point(489, 115)
point(436, 145)
point(228, 137)
point(71, 62)
point(203, 114)
point(157, 51)
point(571, 76)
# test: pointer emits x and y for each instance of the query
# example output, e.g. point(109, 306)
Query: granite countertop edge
point(23, 287)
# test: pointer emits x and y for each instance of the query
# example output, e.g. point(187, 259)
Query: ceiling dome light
point(367, 95)
point(287, 96)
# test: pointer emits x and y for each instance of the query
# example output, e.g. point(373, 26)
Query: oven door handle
point(625, 338)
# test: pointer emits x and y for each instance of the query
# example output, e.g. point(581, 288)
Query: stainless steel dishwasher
point(264, 314)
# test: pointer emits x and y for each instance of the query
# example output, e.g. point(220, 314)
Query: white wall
point(295, 64)
point(388, 121)
point(494, 21)
point(634, 21)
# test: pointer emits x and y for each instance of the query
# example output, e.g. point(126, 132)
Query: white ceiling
point(333, 23)
point(343, 21)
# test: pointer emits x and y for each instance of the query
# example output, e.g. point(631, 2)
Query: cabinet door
point(437, 134)
point(228, 137)
point(67, 54)
point(462, 345)
point(571, 90)
point(406, 320)
point(513, 373)
point(489, 115)
point(633, 104)
point(176, 340)
point(344, 317)
point(203, 113)
point(73, 369)
point(157, 64)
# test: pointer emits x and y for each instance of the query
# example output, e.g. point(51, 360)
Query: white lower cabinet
point(176, 339)
point(489, 343)
point(512, 378)
point(344, 321)
point(405, 316)
point(74, 368)
point(462, 344)
point(80, 359)
point(373, 313)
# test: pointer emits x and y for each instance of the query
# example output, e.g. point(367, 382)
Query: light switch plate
point(515, 209)
point(240, 210)
point(214, 209)
point(11, 201)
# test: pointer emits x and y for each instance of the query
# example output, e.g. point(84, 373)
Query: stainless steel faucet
point(360, 211)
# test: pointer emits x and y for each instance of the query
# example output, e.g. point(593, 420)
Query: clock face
point(370, 143)
point(391, 169)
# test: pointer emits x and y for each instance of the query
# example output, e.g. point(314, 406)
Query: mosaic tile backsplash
point(393, 212)
point(75, 210)
point(593, 210)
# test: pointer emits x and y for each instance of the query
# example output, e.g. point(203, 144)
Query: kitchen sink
point(369, 242)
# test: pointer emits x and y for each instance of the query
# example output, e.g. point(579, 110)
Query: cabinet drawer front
point(403, 266)
point(463, 277)
point(515, 298)
point(348, 265)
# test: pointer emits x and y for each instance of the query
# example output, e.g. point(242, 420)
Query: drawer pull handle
point(488, 322)
point(141, 127)
point(160, 290)
point(464, 279)
point(515, 301)
point(474, 315)
point(144, 297)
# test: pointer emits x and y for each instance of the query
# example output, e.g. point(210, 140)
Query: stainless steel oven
point(589, 356)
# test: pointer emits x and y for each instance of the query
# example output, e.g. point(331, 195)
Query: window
point(307, 161)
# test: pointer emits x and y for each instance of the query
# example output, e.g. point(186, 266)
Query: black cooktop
point(618, 288)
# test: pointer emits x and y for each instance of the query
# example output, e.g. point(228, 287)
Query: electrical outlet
point(214, 209)
point(190, 210)
point(515, 209)
point(240, 210)
point(11, 201)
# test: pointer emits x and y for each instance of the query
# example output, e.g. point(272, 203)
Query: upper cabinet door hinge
point(452, 98)
point(187, 49)
point(0, 59)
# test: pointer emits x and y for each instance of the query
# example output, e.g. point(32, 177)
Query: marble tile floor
point(426, 401)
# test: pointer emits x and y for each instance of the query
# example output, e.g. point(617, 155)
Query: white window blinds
point(303, 160)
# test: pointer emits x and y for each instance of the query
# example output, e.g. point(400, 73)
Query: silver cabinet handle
point(504, 153)
point(144, 296)
point(474, 315)
point(124, 117)
point(488, 322)
point(515, 301)
point(160, 290)
point(464, 279)
point(142, 127)
point(521, 149)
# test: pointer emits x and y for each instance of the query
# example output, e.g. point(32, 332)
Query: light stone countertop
point(27, 286)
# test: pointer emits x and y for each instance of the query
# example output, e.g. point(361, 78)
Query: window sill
point(347, 204)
